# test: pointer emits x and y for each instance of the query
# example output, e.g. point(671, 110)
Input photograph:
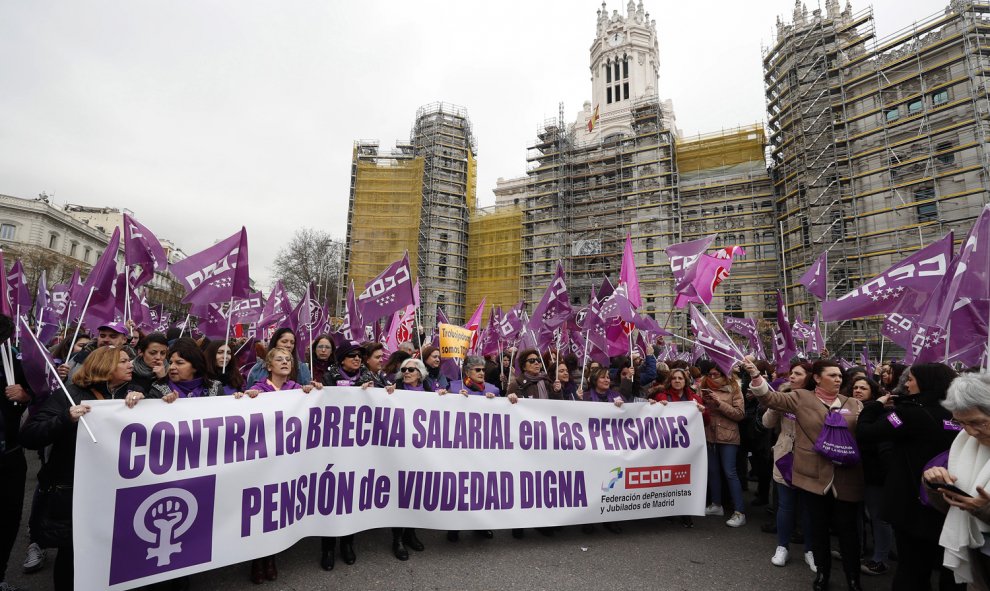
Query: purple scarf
point(267, 386)
point(193, 388)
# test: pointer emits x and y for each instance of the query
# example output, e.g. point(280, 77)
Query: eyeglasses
point(408, 369)
point(533, 360)
point(980, 425)
point(323, 347)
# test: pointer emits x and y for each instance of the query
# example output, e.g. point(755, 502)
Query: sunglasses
point(408, 369)
point(352, 355)
point(476, 369)
point(533, 360)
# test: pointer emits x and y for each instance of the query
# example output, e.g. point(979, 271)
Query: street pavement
point(649, 554)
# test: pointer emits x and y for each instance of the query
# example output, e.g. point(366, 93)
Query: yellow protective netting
point(494, 258)
point(721, 148)
point(385, 214)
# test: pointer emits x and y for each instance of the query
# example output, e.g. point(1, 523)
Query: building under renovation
point(416, 197)
point(878, 145)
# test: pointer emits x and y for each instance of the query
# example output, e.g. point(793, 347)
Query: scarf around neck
point(193, 388)
point(825, 396)
point(969, 462)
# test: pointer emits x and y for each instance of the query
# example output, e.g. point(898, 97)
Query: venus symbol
point(171, 513)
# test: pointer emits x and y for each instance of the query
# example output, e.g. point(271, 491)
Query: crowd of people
point(897, 461)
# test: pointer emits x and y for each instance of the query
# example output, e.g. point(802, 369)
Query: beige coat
point(773, 419)
point(723, 420)
point(813, 472)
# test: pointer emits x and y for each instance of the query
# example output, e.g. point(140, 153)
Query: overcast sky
point(202, 116)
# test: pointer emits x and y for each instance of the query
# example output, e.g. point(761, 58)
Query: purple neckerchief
point(609, 396)
point(188, 389)
point(352, 379)
point(268, 386)
point(405, 386)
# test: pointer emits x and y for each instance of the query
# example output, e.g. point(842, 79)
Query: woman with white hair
point(412, 376)
point(961, 488)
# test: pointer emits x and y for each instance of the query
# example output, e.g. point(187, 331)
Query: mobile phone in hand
point(949, 487)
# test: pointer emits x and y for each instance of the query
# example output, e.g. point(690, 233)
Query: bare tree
point(311, 256)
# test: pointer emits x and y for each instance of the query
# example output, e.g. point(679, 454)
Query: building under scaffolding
point(417, 198)
point(878, 145)
point(494, 254)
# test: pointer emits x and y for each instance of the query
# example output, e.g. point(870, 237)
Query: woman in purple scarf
point(600, 389)
point(187, 374)
point(278, 364)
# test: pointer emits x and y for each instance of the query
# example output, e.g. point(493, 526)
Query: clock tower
point(624, 66)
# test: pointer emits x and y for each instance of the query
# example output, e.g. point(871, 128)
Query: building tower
point(879, 146)
point(417, 198)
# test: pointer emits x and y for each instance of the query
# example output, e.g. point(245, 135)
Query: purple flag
point(213, 319)
point(605, 289)
point(142, 248)
point(741, 326)
point(903, 288)
point(5, 307)
point(716, 344)
point(277, 307)
point(970, 276)
point(510, 324)
point(17, 290)
point(684, 255)
point(42, 380)
point(864, 358)
point(618, 305)
point(217, 274)
point(248, 310)
point(627, 274)
point(390, 292)
point(353, 325)
point(303, 320)
point(819, 340)
point(965, 333)
point(816, 277)
point(783, 340)
point(46, 318)
point(100, 283)
point(554, 308)
point(705, 274)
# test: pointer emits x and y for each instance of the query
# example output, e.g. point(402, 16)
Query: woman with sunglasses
point(412, 376)
point(531, 382)
point(474, 379)
point(350, 369)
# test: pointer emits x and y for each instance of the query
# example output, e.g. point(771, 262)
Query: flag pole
point(712, 314)
point(226, 338)
point(72, 345)
point(61, 384)
point(584, 362)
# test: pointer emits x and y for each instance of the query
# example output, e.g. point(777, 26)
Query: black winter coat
point(918, 429)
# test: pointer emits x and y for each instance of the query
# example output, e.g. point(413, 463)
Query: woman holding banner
point(283, 338)
point(531, 382)
point(831, 486)
point(104, 375)
point(600, 388)
point(322, 354)
point(221, 366)
point(187, 374)
point(434, 378)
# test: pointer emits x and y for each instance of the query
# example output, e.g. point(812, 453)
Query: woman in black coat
point(919, 429)
point(104, 375)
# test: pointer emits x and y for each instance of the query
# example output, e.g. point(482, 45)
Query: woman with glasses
point(349, 370)
point(474, 379)
point(723, 398)
point(322, 355)
point(916, 429)
point(531, 382)
point(473, 384)
point(412, 376)
point(283, 338)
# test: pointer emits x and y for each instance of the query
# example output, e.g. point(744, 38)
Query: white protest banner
point(203, 483)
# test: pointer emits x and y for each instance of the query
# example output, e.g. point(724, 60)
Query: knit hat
point(345, 349)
